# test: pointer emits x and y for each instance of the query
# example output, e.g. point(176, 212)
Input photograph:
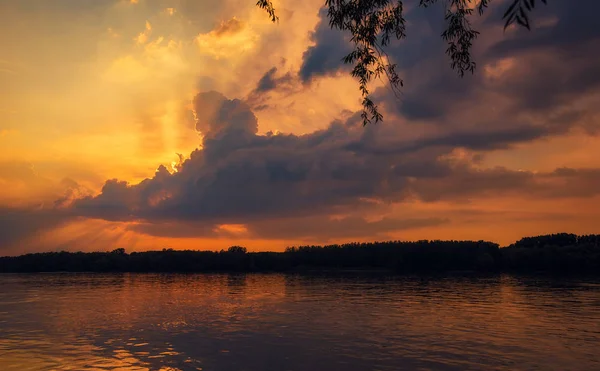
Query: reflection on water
point(279, 322)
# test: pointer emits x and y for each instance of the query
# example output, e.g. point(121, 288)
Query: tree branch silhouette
point(372, 24)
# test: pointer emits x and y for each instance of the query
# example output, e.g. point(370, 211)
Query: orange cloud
point(230, 39)
point(142, 37)
point(233, 228)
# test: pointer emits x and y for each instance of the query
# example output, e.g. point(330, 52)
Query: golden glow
point(231, 38)
point(142, 37)
point(91, 97)
point(6, 133)
point(233, 228)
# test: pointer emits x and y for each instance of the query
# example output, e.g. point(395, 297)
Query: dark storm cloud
point(325, 57)
point(556, 26)
point(466, 182)
point(552, 71)
point(240, 174)
point(485, 140)
point(556, 65)
point(431, 87)
point(481, 139)
point(268, 82)
point(558, 61)
point(242, 177)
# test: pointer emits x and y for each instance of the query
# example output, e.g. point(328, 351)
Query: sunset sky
point(200, 124)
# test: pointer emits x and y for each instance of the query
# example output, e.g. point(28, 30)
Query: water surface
point(287, 322)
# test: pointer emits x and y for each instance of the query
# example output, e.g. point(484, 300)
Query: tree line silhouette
point(556, 253)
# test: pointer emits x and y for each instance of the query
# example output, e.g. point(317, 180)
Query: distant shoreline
point(333, 273)
point(555, 254)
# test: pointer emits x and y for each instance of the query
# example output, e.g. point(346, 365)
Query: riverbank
point(558, 253)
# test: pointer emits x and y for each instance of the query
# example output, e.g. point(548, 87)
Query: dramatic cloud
point(515, 74)
point(270, 81)
point(514, 146)
point(572, 38)
point(307, 187)
point(239, 174)
point(241, 177)
point(326, 55)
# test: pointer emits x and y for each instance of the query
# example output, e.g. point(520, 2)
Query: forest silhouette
point(556, 253)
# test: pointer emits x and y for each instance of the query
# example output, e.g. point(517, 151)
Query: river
point(255, 322)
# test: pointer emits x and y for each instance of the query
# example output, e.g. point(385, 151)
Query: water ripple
point(286, 322)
